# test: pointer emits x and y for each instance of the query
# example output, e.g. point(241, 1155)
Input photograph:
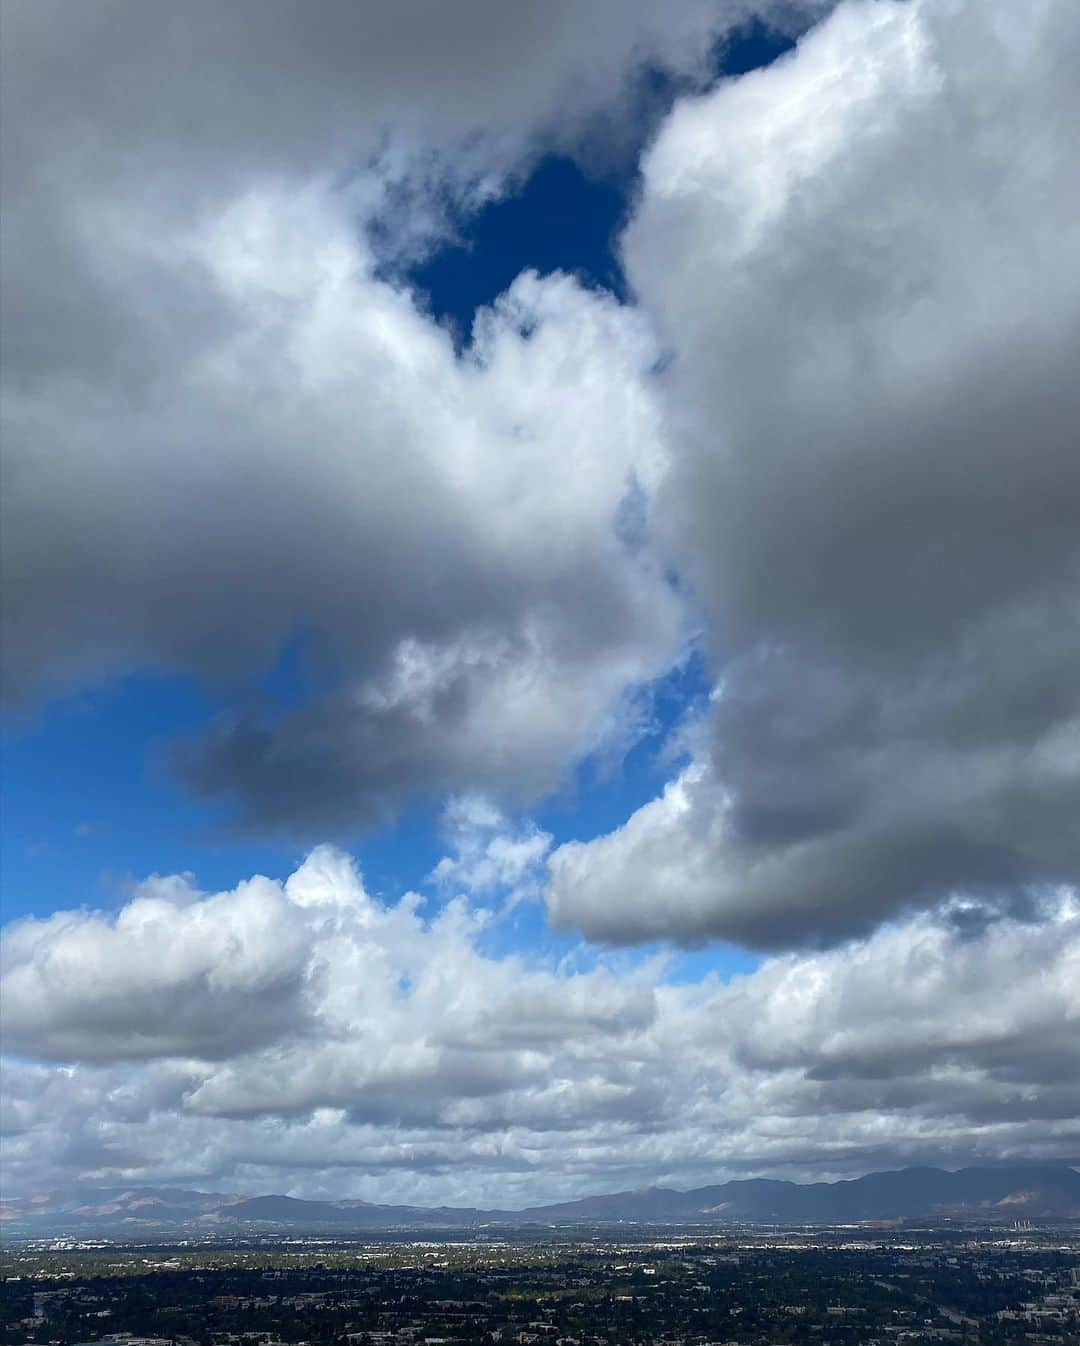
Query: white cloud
point(322, 464)
point(175, 973)
point(396, 1047)
point(489, 853)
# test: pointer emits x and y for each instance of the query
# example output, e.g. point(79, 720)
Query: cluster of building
point(795, 1290)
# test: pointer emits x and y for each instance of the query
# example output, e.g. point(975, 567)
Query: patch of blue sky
point(560, 220)
point(567, 214)
point(90, 805)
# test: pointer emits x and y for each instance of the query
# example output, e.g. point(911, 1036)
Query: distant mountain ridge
point(993, 1194)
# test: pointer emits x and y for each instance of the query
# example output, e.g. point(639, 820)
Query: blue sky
point(539, 627)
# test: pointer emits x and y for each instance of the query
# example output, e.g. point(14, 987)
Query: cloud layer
point(292, 1030)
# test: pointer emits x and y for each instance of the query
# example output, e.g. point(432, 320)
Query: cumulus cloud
point(490, 853)
point(327, 467)
point(223, 432)
point(438, 1070)
point(174, 972)
point(866, 262)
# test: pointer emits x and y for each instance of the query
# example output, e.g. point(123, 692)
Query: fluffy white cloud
point(175, 972)
point(489, 853)
point(438, 1070)
point(443, 530)
point(866, 262)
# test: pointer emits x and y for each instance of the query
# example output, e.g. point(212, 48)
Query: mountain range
point(992, 1194)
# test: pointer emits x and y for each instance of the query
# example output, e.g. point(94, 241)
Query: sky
point(541, 624)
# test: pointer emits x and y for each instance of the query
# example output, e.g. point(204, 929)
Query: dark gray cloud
point(277, 86)
point(866, 261)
